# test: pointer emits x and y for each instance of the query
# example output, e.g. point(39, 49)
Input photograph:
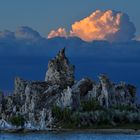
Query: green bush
point(57, 112)
point(75, 119)
point(17, 120)
point(91, 105)
point(124, 107)
point(66, 114)
point(61, 114)
point(105, 118)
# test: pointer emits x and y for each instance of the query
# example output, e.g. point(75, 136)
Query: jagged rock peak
point(61, 54)
point(20, 85)
point(60, 71)
point(104, 79)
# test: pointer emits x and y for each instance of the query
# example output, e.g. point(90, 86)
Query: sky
point(45, 15)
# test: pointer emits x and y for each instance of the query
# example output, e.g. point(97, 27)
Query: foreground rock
point(60, 71)
point(62, 102)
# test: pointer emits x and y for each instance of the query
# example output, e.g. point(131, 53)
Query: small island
point(62, 103)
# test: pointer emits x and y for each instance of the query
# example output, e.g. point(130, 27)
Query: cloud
point(107, 25)
point(137, 38)
point(7, 35)
point(25, 41)
point(61, 32)
point(22, 41)
point(22, 33)
point(101, 25)
point(26, 33)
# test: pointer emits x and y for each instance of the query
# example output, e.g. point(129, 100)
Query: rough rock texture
point(20, 85)
point(34, 100)
point(60, 71)
point(105, 90)
point(83, 86)
point(23, 86)
point(66, 98)
point(1, 102)
point(110, 94)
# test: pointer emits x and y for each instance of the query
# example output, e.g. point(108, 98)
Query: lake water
point(69, 136)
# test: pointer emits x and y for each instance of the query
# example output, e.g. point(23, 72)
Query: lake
point(69, 136)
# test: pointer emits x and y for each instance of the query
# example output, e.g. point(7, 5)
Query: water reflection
point(68, 136)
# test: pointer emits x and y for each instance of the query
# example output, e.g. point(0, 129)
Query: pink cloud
point(100, 25)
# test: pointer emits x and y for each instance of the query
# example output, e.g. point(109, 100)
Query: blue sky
point(45, 15)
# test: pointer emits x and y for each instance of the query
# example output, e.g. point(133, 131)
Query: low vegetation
point(91, 105)
point(61, 114)
point(17, 120)
point(92, 115)
point(124, 107)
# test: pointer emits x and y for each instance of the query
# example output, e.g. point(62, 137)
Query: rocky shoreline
point(96, 131)
point(62, 102)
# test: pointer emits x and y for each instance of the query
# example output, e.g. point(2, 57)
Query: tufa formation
point(62, 102)
point(60, 71)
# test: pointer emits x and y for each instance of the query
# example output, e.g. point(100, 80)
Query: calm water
point(68, 136)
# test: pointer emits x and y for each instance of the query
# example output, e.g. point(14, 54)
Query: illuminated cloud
point(108, 25)
point(101, 25)
point(61, 32)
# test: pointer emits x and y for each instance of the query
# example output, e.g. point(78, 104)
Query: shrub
point(66, 114)
point(57, 112)
point(75, 119)
point(61, 114)
point(17, 120)
point(124, 107)
point(91, 105)
point(105, 118)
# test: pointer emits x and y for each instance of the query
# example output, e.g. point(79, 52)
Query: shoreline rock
point(60, 100)
point(95, 131)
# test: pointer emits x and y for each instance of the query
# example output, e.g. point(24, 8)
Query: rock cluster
point(34, 100)
point(60, 71)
